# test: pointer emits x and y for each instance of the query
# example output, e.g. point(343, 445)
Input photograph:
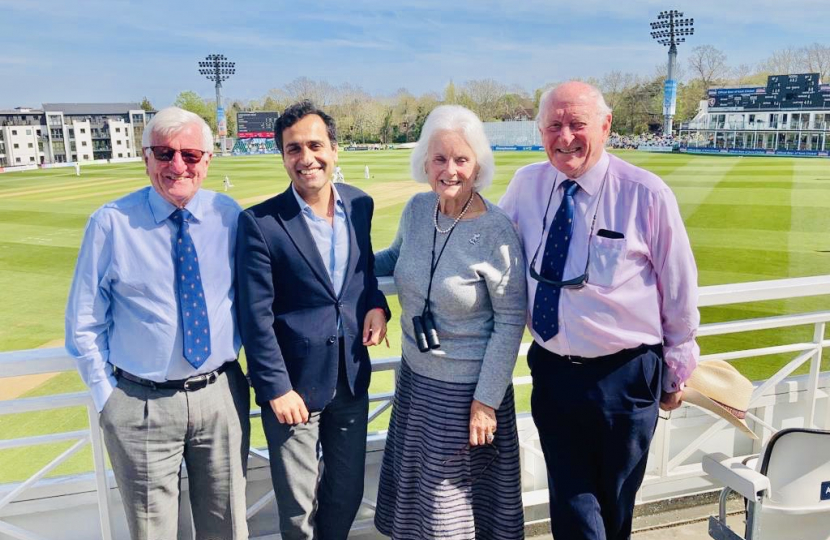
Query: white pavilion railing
point(674, 469)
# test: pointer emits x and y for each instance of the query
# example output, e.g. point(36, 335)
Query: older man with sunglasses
point(151, 323)
point(612, 307)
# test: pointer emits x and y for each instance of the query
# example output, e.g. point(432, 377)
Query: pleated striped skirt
point(432, 484)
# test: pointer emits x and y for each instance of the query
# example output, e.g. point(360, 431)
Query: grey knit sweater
point(478, 295)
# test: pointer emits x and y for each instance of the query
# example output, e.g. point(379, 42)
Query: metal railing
point(40, 361)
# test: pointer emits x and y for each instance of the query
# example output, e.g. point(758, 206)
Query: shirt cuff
point(679, 361)
point(102, 390)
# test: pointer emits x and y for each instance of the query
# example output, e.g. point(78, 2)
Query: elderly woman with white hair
point(451, 465)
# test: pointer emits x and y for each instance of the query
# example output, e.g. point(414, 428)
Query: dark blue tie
point(191, 295)
point(546, 304)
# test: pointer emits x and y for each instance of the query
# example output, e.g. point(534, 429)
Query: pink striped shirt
point(641, 289)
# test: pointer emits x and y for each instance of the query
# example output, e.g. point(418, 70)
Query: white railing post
point(99, 461)
point(662, 445)
point(812, 382)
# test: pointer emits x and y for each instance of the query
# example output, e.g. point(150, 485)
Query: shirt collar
point(162, 209)
point(591, 181)
point(306, 208)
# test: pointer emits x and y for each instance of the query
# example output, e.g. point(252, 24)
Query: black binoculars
point(426, 336)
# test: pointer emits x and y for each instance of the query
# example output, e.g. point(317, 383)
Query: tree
point(614, 86)
point(193, 102)
point(815, 58)
point(450, 97)
point(485, 95)
point(386, 128)
point(709, 65)
point(782, 62)
point(146, 105)
point(320, 92)
point(275, 100)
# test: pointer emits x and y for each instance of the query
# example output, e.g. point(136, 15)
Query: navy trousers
point(596, 420)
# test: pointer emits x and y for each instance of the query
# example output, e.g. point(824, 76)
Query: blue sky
point(116, 50)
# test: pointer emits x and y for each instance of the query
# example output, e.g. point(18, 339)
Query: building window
point(31, 158)
point(86, 156)
point(31, 145)
point(28, 132)
point(14, 132)
point(16, 145)
point(120, 155)
point(17, 160)
point(83, 143)
point(83, 130)
point(118, 142)
point(118, 130)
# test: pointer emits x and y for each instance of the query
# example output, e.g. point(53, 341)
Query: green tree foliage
point(193, 102)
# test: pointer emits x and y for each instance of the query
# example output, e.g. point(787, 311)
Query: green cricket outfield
point(749, 219)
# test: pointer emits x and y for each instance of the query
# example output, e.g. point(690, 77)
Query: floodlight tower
point(217, 68)
point(669, 29)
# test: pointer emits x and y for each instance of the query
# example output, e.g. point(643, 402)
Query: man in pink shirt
point(612, 307)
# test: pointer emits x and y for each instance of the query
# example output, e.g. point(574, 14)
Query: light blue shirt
point(123, 308)
point(332, 241)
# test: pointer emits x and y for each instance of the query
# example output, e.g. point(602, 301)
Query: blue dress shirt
point(123, 308)
point(332, 241)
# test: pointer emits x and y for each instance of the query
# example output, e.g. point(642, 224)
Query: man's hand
point(482, 423)
point(290, 409)
point(374, 327)
point(669, 402)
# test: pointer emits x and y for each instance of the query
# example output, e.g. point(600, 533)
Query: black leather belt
point(188, 385)
point(621, 356)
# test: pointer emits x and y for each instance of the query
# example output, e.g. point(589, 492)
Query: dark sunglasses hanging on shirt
point(579, 281)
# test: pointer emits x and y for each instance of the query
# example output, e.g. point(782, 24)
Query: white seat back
point(797, 463)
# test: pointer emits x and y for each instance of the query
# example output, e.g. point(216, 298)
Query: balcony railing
point(754, 126)
point(674, 466)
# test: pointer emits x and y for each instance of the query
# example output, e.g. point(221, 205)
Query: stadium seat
point(787, 491)
point(240, 147)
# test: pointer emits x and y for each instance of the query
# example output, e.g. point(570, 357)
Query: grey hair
point(544, 101)
point(460, 120)
point(173, 120)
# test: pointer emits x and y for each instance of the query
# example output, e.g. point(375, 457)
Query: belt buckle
point(573, 360)
point(195, 383)
point(200, 381)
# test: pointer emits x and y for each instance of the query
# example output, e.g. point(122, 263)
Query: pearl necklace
point(454, 223)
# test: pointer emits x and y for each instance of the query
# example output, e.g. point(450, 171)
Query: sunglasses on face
point(189, 155)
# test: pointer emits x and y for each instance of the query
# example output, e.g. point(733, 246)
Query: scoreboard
point(255, 125)
point(782, 92)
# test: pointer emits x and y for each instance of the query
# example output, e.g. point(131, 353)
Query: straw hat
point(718, 387)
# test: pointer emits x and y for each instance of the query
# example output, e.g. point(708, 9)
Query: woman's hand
point(482, 423)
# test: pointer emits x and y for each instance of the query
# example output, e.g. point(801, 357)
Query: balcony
point(88, 505)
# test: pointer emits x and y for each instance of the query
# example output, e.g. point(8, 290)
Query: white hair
point(599, 103)
point(173, 120)
point(465, 122)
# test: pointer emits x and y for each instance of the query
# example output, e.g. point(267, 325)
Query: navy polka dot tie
point(546, 304)
point(191, 295)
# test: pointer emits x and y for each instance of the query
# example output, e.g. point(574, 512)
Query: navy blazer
point(287, 306)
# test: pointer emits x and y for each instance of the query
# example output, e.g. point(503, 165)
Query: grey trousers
point(317, 468)
point(149, 431)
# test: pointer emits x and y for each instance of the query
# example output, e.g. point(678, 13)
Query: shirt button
point(331, 340)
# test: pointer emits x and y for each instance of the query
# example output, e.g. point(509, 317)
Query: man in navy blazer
point(309, 305)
